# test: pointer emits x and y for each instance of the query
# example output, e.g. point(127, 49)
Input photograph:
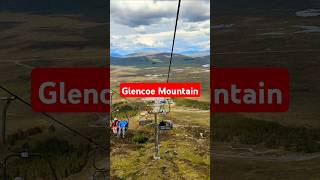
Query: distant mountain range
point(196, 53)
point(150, 53)
point(159, 60)
point(265, 4)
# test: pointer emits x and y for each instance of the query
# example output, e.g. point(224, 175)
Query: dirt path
point(19, 63)
point(252, 154)
point(264, 52)
point(190, 110)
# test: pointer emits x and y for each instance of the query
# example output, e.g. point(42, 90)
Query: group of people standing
point(119, 127)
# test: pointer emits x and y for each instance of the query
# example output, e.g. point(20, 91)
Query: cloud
point(142, 12)
point(140, 29)
point(140, 25)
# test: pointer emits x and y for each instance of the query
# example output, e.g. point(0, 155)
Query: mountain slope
point(159, 60)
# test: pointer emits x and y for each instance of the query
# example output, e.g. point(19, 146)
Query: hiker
point(122, 127)
point(114, 126)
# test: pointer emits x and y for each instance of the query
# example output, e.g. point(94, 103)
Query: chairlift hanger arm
point(20, 155)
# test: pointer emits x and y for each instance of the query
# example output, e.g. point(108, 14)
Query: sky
point(148, 25)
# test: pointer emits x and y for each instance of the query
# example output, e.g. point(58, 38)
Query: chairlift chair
point(165, 125)
point(161, 106)
point(126, 115)
point(164, 108)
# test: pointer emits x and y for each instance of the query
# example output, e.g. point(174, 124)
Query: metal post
point(98, 170)
point(4, 117)
point(111, 94)
point(156, 132)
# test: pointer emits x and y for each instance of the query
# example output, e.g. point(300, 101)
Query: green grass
point(192, 103)
point(138, 138)
point(303, 66)
point(269, 134)
point(181, 157)
point(53, 47)
point(237, 168)
point(65, 157)
point(178, 160)
point(126, 110)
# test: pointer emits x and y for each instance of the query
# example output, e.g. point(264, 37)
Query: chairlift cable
point(54, 119)
point(172, 48)
point(173, 40)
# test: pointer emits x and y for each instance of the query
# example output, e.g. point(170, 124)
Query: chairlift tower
point(158, 108)
point(156, 111)
point(4, 116)
point(98, 171)
point(111, 95)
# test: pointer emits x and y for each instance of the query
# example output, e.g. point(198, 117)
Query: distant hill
point(196, 53)
point(138, 54)
point(158, 60)
point(268, 5)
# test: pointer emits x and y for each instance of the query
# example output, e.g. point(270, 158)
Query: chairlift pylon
point(97, 170)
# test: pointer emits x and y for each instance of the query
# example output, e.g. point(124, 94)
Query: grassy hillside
point(160, 60)
point(272, 135)
point(31, 40)
point(252, 33)
point(260, 6)
point(184, 154)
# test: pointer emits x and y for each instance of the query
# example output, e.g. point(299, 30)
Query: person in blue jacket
point(122, 127)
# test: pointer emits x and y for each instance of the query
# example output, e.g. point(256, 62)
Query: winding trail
point(19, 63)
point(251, 154)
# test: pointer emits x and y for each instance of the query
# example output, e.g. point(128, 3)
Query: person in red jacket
point(114, 126)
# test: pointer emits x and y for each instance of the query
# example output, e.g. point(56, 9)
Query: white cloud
point(137, 25)
point(140, 29)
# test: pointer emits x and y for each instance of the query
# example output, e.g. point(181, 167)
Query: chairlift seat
point(162, 101)
point(165, 125)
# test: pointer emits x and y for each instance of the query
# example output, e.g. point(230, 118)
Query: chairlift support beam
point(156, 155)
point(4, 116)
point(157, 109)
point(97, 170)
